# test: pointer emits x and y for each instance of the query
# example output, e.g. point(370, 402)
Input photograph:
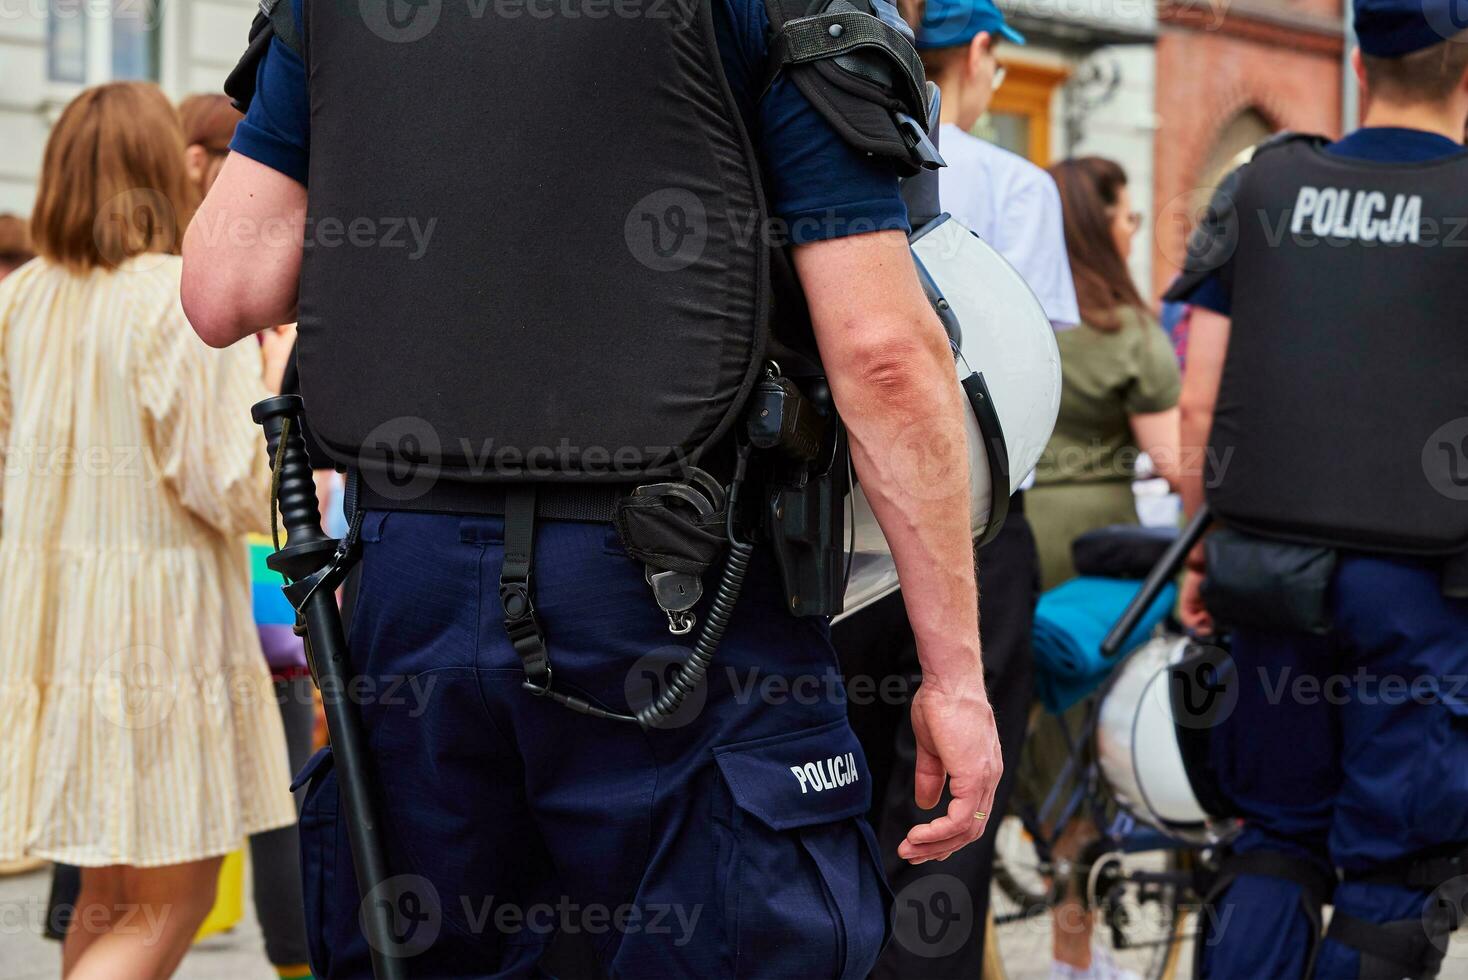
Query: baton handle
point(1163, 572)
point(307, 550)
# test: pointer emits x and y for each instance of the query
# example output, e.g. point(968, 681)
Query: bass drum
point(1150, 746)
point(1001, 331)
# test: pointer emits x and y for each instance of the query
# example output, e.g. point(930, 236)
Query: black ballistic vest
point(1342, 417)
point(587, 295)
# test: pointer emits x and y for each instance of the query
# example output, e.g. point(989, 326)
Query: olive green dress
point(1084, 480)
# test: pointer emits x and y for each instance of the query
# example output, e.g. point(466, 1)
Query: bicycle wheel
point(1139, 912)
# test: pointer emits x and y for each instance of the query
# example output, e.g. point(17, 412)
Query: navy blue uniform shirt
point(1379, 144)
point(816, 182)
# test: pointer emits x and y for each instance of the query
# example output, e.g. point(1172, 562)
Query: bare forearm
point(909, 450)
point(1194, 424)
point(1207, 351)
point(1156, 434)
point(891, 371)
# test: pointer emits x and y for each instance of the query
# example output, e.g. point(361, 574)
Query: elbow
point(211, 318)
point(1195, 417)
point(898, 362)
point(214, 300)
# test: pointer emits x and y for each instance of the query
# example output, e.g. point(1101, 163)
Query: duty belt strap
point(1400, 949)
point(1423, 871)
point(1317, 883)
point(1316, 888)
point(517, 589)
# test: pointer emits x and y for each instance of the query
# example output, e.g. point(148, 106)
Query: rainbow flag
point(274, 617)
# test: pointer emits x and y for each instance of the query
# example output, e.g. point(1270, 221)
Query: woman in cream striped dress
point(142, 740)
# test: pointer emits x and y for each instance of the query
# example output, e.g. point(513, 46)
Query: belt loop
point(517, 589)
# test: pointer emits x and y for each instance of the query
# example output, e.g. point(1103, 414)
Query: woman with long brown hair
point(1119, 391)
point(1120, 379)
point(143, 741)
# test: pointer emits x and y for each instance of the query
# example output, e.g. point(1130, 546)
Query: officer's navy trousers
point(1350, 750)
point(732, 845)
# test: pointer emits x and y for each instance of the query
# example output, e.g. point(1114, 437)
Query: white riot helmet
point(1009, 366)
point(1151, 733)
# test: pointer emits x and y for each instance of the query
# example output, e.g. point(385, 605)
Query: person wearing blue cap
point(1014, 206)
point(1324, 390)
point(1008, 201)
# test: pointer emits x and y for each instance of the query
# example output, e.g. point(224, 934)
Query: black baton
point(1163, 572)
point(314, 564)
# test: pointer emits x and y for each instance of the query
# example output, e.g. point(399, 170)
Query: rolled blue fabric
point(1070, 623)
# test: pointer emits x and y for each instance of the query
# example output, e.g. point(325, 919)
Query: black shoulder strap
point(275, 19)
point(860, 70)
point(282, 17)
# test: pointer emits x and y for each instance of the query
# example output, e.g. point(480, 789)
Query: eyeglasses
point(999, 74)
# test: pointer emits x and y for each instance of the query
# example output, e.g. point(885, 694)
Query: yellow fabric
point(229, 897)
point(140, 722)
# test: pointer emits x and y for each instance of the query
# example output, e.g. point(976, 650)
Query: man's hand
point(1191, 609)
point(956, 740)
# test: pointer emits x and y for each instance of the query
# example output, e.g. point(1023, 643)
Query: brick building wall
point(1279, 62)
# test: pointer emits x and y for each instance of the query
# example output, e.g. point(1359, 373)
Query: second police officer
point(1325, 374)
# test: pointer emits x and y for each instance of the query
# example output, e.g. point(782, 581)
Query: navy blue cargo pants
point(1350, 751)
point(731, 845)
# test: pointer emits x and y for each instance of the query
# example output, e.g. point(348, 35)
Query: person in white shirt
point(1008, 201)
point(1014, 206)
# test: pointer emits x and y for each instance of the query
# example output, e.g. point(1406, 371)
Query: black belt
point(553, 501)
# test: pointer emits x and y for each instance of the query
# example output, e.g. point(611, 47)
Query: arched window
point(1242, 133)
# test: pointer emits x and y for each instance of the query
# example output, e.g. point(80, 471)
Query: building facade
point(51, 49)
point(1229, 75)
point(1082, 85)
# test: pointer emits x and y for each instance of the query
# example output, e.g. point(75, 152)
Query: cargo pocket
point(804, 894)
point(318, 851)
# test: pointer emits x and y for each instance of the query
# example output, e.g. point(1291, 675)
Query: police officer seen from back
point(551, 253)
point(1325, 375)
